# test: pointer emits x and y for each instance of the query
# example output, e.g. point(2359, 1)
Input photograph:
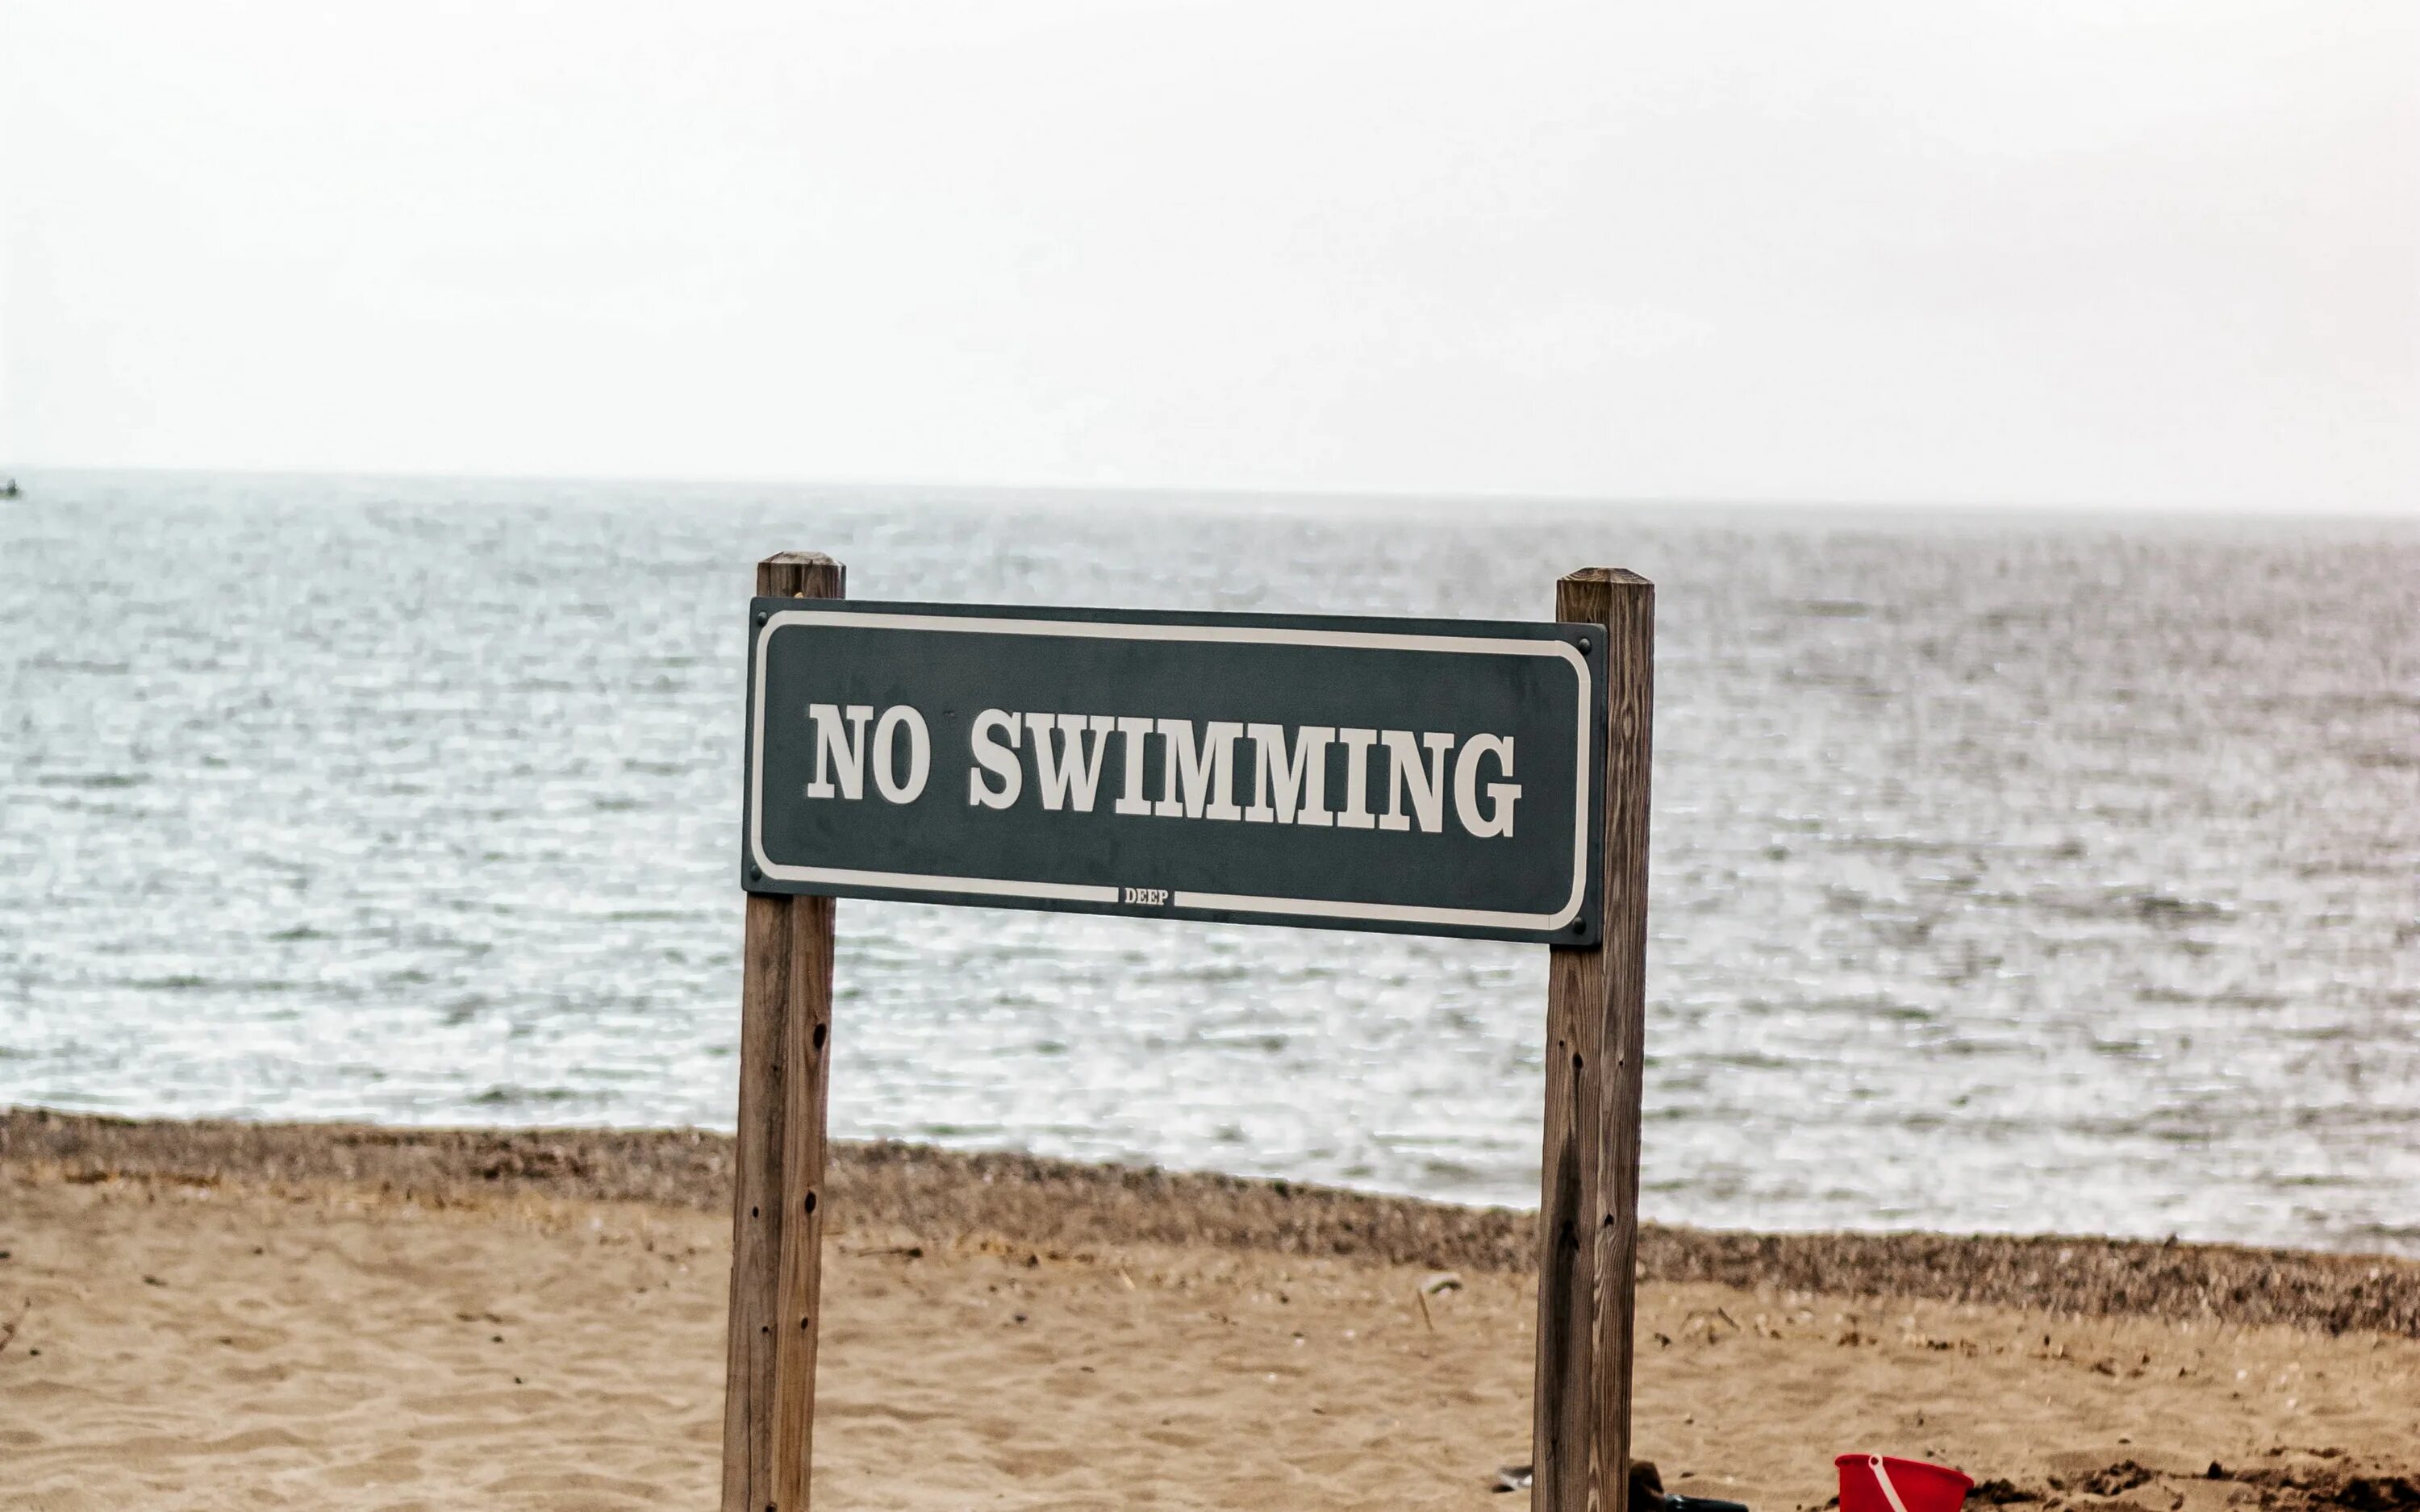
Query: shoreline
point(1073, 1206)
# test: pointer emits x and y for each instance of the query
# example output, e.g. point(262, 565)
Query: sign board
point(1439, 777)
point(1419, 775)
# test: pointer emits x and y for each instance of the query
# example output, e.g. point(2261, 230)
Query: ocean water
point(2009, 873)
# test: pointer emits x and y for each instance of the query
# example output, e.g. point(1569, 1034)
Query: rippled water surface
point(2011, 873)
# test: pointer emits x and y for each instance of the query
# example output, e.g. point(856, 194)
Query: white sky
point(2056, 252)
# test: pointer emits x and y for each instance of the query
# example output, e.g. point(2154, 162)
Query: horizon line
point(1229, 494)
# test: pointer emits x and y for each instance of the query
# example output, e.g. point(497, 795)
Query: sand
point(276, 1337)
point(1048, 1202)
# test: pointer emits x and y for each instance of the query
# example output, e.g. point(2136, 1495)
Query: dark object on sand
point(2001, 1492)
point(1645, 1490)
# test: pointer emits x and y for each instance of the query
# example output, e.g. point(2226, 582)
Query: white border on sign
point(1246, 634)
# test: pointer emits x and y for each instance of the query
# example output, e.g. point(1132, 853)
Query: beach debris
point(8, 1329)
point(2120, 1477)
point(514, 1160)
point(2308, 1480)
point(2322, 1480)
point(1510, 1478)
point(2001, 1493)
point(1434, 1284)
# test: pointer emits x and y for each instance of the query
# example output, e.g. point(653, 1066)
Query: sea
point(2016, 870)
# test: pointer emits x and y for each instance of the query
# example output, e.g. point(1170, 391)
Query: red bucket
point(1877, 1483)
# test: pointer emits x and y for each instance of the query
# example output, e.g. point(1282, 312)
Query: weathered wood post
point(1596, 1011)
point(776, 1226)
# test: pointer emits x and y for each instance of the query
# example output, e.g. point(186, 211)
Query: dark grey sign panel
point(1429, 777)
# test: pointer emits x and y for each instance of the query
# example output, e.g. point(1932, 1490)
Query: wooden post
point(777, 1224)
point(1596, 1011)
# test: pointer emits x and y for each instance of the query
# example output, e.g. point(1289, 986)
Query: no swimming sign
point(1416, 775)
point(1422, 776)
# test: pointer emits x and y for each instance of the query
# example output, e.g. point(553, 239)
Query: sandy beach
point(217, 1316)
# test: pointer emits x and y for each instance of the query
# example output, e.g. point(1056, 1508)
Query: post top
point(1603, 574)
point(801, 574)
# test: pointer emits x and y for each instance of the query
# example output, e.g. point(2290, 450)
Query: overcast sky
point(2066, 254)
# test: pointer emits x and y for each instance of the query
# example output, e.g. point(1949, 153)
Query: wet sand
point(207, 1315)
